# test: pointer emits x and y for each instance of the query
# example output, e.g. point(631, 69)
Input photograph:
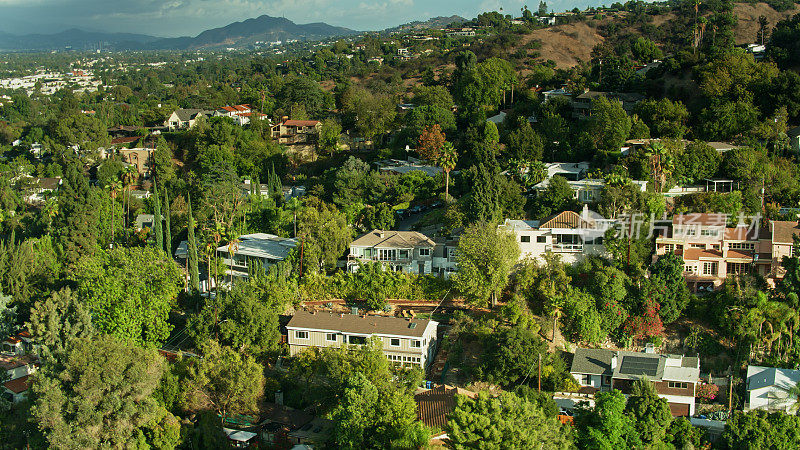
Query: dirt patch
point(748, 14)
point(567, 44)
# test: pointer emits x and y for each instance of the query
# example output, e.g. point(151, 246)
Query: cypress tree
point(158, 230)
point(168, 229)
point(194, 271)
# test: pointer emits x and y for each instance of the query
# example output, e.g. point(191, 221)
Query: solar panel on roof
point(637, 365)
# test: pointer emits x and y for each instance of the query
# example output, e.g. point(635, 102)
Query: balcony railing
point(565, 248)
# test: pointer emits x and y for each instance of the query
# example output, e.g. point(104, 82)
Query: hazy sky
point(190, 17)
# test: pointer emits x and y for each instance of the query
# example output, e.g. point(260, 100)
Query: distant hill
point(248, 32)
point(74, 38)
point(237, 34)
point(432, 23)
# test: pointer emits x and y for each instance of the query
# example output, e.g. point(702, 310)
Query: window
point(403, 254)
point(738, 268)
point(301, 334)
point(697, 245)
point(691, 232)
point(669, 248)
point(715, 246)
point(690, 268)
point(586, 380)
point(606, 380)
point(424, 252)
point(710, 268)
point(524, 238)
point(357, 340)
point(387, 254)
point(677, 385)
point(394, 342)
point(416, 344)
point(541, 239)
point(330, 337)
point(742, 246)
point(708, 232)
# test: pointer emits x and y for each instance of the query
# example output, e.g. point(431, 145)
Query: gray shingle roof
point(349, 323)
point(594, 361)
point(393, 239)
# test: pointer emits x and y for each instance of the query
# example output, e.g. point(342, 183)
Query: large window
point(387, 254)
point(742, 246)
point(330, 337)
point(710, 268)
point(708, 232)
point(586, 380)
point(678, 385)
point(738, 268)
point(541, 239)
point(357, 340)
point(394, 342)
point(525, 239)
point(301, 334)
point(403, 254)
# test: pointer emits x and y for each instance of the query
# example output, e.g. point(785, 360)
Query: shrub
point(707, 392)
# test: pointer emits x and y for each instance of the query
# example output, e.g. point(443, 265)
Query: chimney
point(279, 398)
point(614, 358)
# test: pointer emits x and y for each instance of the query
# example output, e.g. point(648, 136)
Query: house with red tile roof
point(712, 250)
point(18, 362)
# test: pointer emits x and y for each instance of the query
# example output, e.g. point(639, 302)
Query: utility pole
point(540, 372)
point(730, 393)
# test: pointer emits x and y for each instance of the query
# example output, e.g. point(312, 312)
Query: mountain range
point(238, 34)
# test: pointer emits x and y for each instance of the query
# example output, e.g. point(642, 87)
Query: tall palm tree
point(447, 159)
point(129, 176)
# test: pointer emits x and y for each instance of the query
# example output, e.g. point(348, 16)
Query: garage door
point(679, 409)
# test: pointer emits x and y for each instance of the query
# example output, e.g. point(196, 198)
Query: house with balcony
point(255, 250)
point(401, 251)
point(675, 376)
point(18, 361)
point(183, 119)
point(297, 132)
point(712, 250)
point(586, 190)
point(568, 234)
point(768, 389)
point(406, 342)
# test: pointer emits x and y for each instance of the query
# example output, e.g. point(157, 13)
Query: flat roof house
point(262, 248)
point(768, 389)
point(675, 376)
point(407, 342)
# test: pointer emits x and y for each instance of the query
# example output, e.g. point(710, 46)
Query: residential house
point(444, 262)
point(241, 114)
point(768, 389)
point(240, 438)
point(582, 104)
point(185, 118)
point(140, 158)
point(36, 190)
point(144, 221)
point(17, 362)
point(544, 20)
point(586, 190)
point(297, 132)
point(253, 250)
point(402, 251)
point(284, 426)
point(406, 342)
point(460, 32)
point(401, 167)
point(794, 138)
point(712, 251)
point(568, 234)
point(553, 93)
point(675, 376)
point(434, 407)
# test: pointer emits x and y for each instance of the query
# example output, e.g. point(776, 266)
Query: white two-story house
point(402, 251)
point(568, 234)
point(407, 342)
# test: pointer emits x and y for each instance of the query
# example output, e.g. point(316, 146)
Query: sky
point(171, 18)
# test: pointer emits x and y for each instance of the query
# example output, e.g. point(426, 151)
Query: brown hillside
point(568, 44)
point(748, 13)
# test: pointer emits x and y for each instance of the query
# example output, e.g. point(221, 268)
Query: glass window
point(403, 254)
point(541, 239)
point(357, 340)
point(710, 268)
point(415, 344)
point(586, 380)
point(524, 238)
point(394, 342)
point(301, 334)
point(424, 252)
point(678, 385)
point(331, 337)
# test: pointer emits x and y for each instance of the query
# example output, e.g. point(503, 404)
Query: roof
point(707, 219)
point(367, 325)
point(143, 220)
point(759, 377)
point(263, 245)
point(317, 430)
point(694, 254)
point(634, 365)
point(434, 405)
point(594, 361)
point(188, 114)
point(784, 230)
point(238, 435)
point(18, 385)
point(10, 362)
point(517, 225)
point(393, 239)
point(301, 123)
point(570, 219)
point(125, 140)
point(47, 184)
point(742, 233)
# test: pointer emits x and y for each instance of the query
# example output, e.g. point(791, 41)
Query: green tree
point(760, 429)
point(59, 321)
point(504, 422)
point(158, 226)
point(664, 118)
point(558, 196)
point(650, 413)
point(667, 286)
point(97, 395)
point(485, 258)
point(168, 225)
point(324, 233)
point(329, 136)
point(609, 125)
point(606, 425)
point(224, 381)
point(131, 292)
